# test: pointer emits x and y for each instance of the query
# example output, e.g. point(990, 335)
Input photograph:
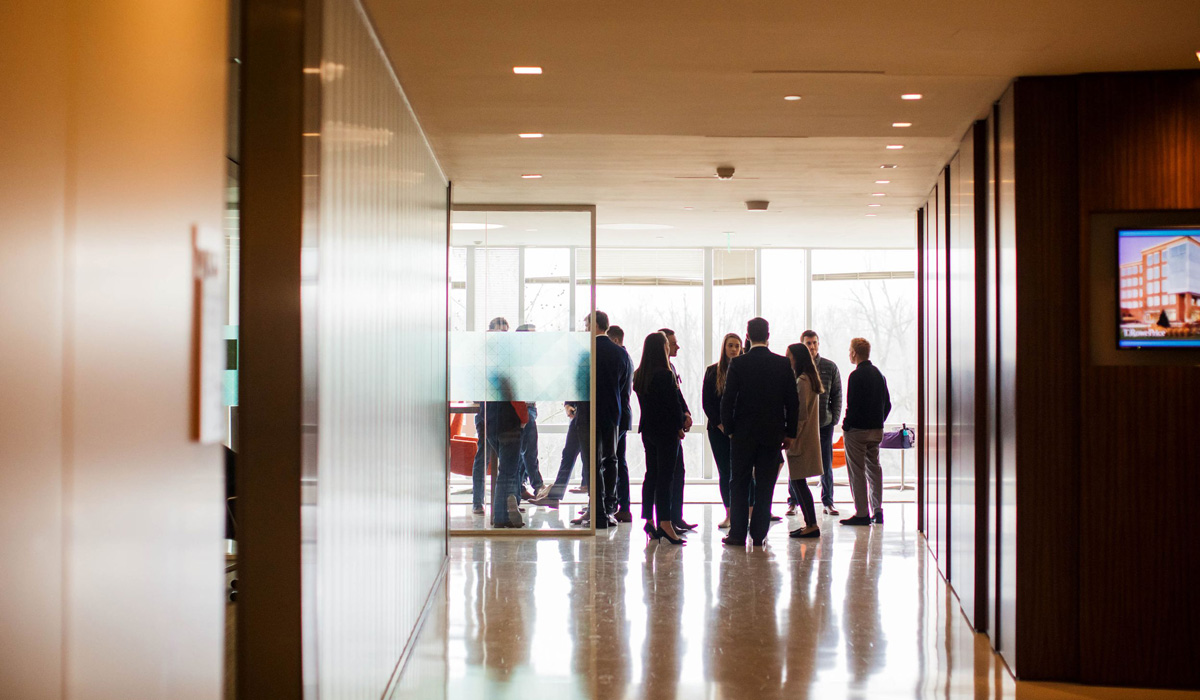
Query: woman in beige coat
point(804, 456)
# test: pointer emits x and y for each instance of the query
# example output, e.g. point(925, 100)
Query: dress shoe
point(776, 518)
point(476, 510)
point(805, 532)
point(579, 489)
point(545, 501)
point(544, 491)
point(830, 510)
point(732, 543)
point(624, 516)
point(856, 520)
point(758, 543)
point(514, 510)
point(612, 521)
point(878, 519)
point(583, 517)
point(526, 495)
point(791, 510)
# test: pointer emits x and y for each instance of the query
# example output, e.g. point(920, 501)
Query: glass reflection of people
point(504, 422)
point(804, 454)
point(530, 471)
point(714, 387)
point(677, 480)
point(624, 514)
point(482, 455)
point(661, 426)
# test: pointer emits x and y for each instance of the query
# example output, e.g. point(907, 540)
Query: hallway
point(862, 613)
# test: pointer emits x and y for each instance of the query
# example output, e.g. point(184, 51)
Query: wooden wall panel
point(1138, 613)
point(960, 479)
point(922, 422)
point(942, 372)
point(981, 182)
point(1047, 382)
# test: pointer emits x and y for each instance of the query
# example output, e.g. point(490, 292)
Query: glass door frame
point(589, 209)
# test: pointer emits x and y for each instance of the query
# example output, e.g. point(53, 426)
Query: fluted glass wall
point(375, 315)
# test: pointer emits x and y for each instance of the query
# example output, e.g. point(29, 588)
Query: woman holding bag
point(804, 456)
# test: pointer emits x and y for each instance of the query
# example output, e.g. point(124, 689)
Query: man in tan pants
point(867, 407)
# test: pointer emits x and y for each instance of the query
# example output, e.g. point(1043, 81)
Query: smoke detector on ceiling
point(757, 205)
point(725, 172)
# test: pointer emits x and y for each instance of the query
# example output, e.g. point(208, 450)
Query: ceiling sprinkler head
point(757, 205)
point(725, 172)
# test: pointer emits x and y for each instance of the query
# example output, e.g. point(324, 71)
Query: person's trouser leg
point(604, 488)
point(741, 470)
point(766, 473)
point(719, 443)
point(874, 470)
point(827, 464)
point(622, 474)
point(805, 500)
point(666, 455)
point(583, 425)
point(529, 456)
point(477, 467)
point(677, 486)
point(650, 480)
point(570, 453)
point(508, 446)
point(856, 454)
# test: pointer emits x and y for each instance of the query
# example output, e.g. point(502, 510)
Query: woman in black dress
point(661, 427)
point(714, 387)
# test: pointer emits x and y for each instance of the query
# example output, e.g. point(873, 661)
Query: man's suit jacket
point(626, 409)
point(760, 396)
point(612, 383)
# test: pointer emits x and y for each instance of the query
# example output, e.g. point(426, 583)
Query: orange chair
point(463, 448)
point(839, 453)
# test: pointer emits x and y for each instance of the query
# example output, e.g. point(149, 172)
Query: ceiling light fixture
point(791, 98)
point(872, 215)
point(888, 166)
point(688, 208)
point(874, 205)
point(531, 135)
point(894, 146)
point(911, 96)
point(527, 70)
point(901, 125)
point(468, 226)
point(878, 194)
point(883, 182)
point(532, 176)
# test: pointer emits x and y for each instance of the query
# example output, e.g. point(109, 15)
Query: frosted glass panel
point(375, 273)
point(519, 366)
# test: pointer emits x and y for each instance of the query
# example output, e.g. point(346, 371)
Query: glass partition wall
point(520, 368)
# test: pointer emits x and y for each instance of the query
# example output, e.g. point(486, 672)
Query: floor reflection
point(858, 613)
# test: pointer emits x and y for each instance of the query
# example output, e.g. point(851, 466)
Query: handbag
point(902, 439)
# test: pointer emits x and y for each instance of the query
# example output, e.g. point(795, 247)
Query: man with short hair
point(612, 393)
point(759, 411)
point(624, 514)
point(868, 404)
point(831, 413)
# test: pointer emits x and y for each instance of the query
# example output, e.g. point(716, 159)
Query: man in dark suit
point(612, 393)
point(623, 514)
point(759, 410)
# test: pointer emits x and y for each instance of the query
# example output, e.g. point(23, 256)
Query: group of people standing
point(763, 410)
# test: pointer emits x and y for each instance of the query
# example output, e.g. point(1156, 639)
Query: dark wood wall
point(1073, 546)
point(1139, 549)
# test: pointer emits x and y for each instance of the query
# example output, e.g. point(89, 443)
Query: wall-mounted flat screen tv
point(1158, 293)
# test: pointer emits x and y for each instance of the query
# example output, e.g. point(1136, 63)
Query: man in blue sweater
point(867, 407)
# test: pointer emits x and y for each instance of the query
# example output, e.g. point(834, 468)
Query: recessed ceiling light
point(468, 226)
point(531, 176)
point(1198, 55)
point(688, 208)
point(872, 214)
point(634, 227)
point(878, 194)
point(311, 133)
point(531, 135)
point(527, 70)
point(894, 146)
point(911, 96)
point(901, 125)
point(889, 166)
point(310, 70)
point(531, 230)
point(791, 98)
point(883, 182)
point(874, 205)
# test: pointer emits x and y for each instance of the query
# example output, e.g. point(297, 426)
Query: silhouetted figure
point(1163, 321)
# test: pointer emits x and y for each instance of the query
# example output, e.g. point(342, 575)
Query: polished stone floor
point(859, 613)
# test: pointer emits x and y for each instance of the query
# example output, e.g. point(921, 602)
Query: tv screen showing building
point(1159, 288)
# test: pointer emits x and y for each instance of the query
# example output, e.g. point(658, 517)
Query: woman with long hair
point(714, 388)
point(661, 427)
point(804, 456)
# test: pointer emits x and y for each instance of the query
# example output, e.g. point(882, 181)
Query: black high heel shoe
point(651, 531)
point(661, 534)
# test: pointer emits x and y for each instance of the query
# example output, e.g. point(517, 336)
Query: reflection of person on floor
point(482, 454)
point(745, 648)
point(530, 471)
point(663, 650)
point(803, 622)
point(623, 515)
point(866, 642)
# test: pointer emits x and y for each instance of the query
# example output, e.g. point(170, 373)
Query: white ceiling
point(636, 94)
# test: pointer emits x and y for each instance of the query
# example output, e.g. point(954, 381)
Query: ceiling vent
point(757, 205)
